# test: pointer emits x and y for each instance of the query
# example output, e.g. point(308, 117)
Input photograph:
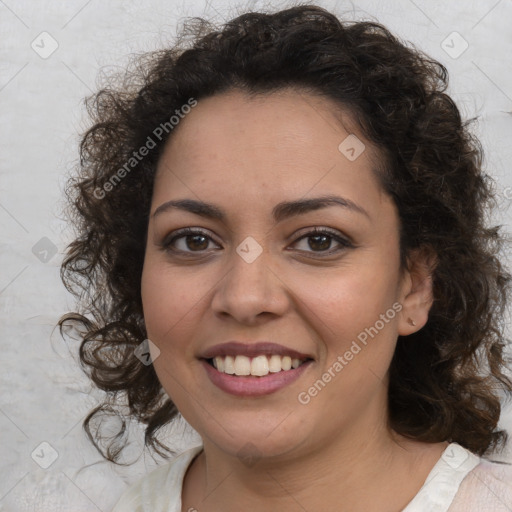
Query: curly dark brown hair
point(431, 167)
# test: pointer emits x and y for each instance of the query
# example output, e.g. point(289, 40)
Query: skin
point(245, 155)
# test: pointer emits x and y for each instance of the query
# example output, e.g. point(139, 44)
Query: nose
point(250, 292)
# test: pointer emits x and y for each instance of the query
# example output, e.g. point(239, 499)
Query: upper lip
point(236, 348)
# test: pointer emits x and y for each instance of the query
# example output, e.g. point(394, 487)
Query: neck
point(363, 470)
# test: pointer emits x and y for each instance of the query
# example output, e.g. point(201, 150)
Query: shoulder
point(142, 496)
point(487, 487)
point(461, 481)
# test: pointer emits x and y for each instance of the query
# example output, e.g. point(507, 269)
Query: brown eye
point(196, 242)
point(188, 241)
point(319, 242)
point(322, 241)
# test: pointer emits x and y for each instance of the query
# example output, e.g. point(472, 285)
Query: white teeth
point(274, 365)
point(229, 365)
point(286, 363)
point(218, 362)
point(242, 365)
point(257, 366)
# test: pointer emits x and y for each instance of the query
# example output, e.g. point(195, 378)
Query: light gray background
point(44, 396)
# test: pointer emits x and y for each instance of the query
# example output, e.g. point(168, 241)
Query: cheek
point(352, 305)
point(347, 300)
point(357, 343)
point(170, 302)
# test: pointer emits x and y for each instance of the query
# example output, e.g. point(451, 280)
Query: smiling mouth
point(258, 366)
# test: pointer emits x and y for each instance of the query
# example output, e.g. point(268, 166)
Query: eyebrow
point(280, 212)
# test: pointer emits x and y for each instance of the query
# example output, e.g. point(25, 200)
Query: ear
point(416, 290)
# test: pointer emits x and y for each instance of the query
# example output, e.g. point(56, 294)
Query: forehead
point(283, 144)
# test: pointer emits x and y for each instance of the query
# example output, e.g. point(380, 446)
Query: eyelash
point(181, 233)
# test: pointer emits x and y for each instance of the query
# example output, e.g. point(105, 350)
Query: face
point(267, 273)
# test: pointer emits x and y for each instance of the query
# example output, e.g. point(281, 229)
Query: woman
point(286, 218)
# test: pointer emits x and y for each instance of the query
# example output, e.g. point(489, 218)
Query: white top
point(459, 482)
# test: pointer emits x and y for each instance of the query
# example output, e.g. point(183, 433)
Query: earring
point(410, 321)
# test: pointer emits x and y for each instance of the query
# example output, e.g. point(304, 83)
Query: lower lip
point(253, 386)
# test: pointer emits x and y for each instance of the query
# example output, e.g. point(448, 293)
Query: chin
point(254, 436)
